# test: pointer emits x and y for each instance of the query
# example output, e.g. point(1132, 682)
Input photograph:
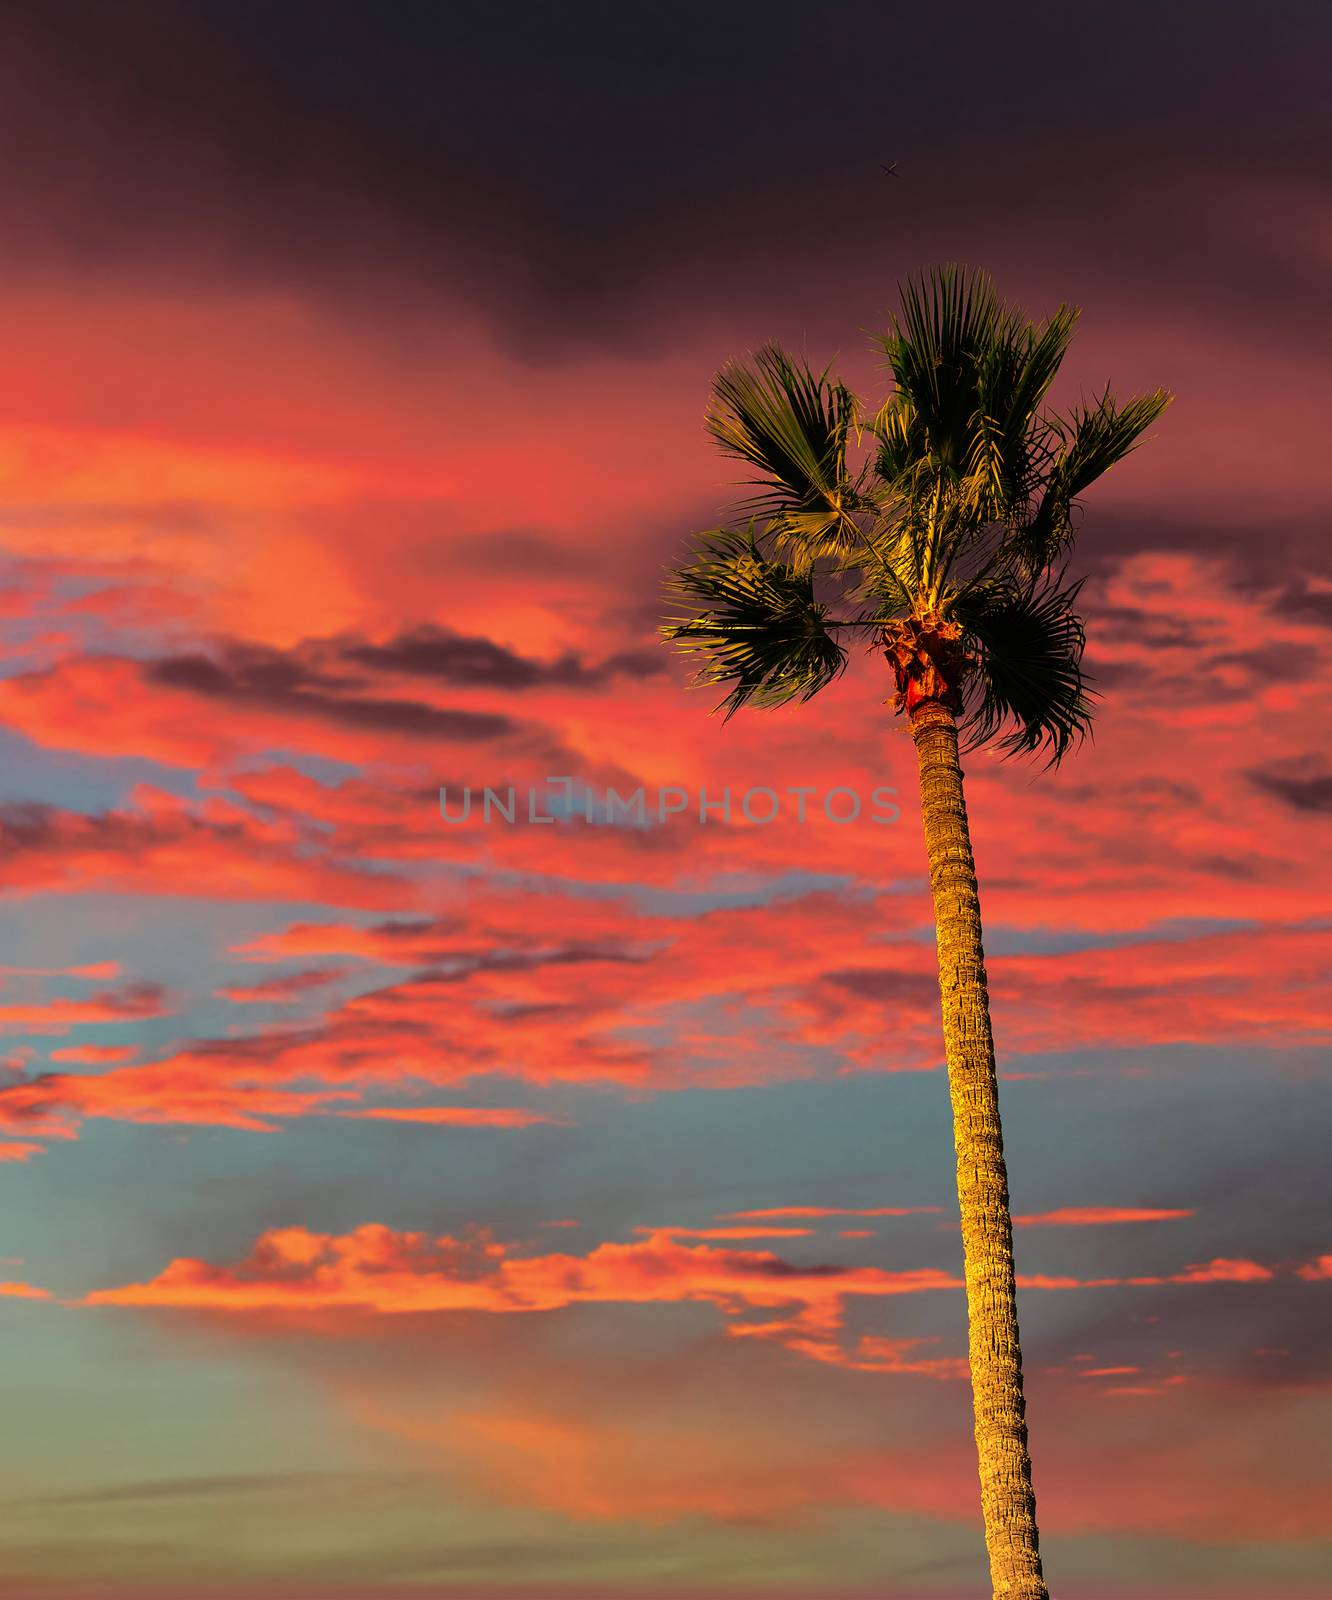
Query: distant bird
point(892, 171)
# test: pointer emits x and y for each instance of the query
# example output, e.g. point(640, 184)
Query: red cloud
point(554, 987)
point(199, 710)
point(294, 986)
point(164, 848)
point(253, 503)
point(1129, 817)
point(130, 1004)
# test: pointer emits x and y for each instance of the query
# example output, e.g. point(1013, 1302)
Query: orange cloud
point(458, 1116)
point(19, 1150)
point(1095, 1216)
point(1220, 1270)
point(536, 1450)
point(23, 1291)
point(592, 1470)
point(729, 1233)
point(51, 1104)
point(105, 970)
point(377, 1271)
point(94, 1055)
point(832, 1211)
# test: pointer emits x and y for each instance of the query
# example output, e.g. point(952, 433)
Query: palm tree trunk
point(1007, 1501)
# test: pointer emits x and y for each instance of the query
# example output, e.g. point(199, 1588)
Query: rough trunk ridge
point(1007, 1501)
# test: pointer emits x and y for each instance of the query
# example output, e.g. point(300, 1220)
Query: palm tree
point(947, 547)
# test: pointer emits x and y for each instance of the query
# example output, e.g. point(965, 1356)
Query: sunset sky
point(502, 1212)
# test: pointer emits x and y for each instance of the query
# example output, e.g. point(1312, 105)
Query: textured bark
point(1007, 1502)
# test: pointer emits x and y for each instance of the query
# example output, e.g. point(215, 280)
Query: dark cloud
point(243, 672)
point(1104, 675)
point(327, 678)
point(916, 987)
point(173, 852)
point(289, 986)
point(34, 828)
point(216, 1484)
point(557, 162)
point(1255, 565)
point(1273, 663)
point(432, 652)
point(251, 675)
point(1304, 604)
point(1236, 868)
point(1148, 630)
point(410, 930)
point(1307, 787)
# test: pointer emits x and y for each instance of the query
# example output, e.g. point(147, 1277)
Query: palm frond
point(1101, 435)
point(1027, 640)
point(949, 319)
point(755, 624)
point(1086, 444)
point(883, 573)
point(1014, 374)
point(1025, 364)
point(791, 424)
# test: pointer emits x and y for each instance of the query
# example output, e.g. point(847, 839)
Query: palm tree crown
point(947, 543)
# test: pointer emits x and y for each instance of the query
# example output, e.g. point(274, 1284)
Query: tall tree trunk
point(1007, 1501)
